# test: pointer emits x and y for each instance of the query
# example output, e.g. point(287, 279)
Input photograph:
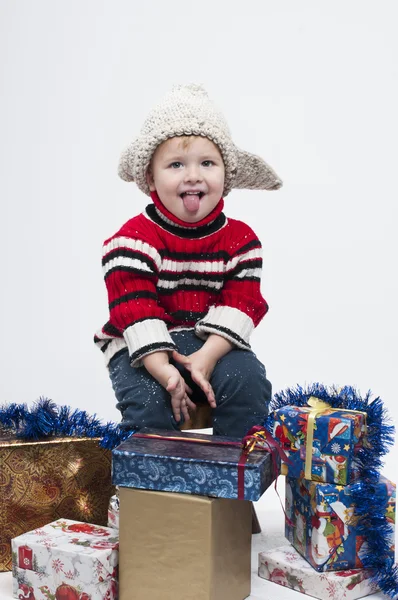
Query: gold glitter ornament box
point(42, 481)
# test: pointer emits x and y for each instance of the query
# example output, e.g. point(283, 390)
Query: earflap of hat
point(125, 163)
point(253, 173)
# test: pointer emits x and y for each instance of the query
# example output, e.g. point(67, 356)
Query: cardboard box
point(42, 481)
point(66, 559)
point(337, 437)
point(324, 529)
point(179, 546)
point(186, 467)
point(286, 567)
point(113, 512)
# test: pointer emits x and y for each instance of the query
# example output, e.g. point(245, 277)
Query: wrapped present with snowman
point(340, 511)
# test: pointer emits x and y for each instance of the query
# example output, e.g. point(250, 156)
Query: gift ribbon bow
point(317, 408)
point(258, 438)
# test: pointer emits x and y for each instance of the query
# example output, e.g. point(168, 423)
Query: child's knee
point(242, 377)
point(242, 364)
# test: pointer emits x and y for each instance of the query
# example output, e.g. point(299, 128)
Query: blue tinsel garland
point(373, 523)
point(47, 419)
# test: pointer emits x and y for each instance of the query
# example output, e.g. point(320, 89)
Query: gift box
point(42, 481)
point(66, 560)
point(321, 446)
point(323, 527)
point(183, 546)
point(192, 463)
point(113, 512)
point(286, 567)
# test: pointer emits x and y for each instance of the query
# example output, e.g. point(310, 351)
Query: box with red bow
point(66, 559)
point(321, 442)
point(193, 463)
point(322, 525)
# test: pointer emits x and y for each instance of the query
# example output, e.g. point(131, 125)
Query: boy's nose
point(192, 174)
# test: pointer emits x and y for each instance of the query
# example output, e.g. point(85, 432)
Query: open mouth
point(192, 194)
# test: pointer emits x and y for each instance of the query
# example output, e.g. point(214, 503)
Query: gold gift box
point(41, 481)
point(182, 546)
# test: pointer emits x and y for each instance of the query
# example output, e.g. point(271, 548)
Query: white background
point(310, 85)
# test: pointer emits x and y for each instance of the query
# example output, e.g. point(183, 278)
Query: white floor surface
point(271, 518)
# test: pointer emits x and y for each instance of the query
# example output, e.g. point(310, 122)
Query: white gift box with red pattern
point(66, 560)
point(113, 512)
point(286, 567)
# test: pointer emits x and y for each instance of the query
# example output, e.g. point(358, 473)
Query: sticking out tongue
point(191, 202)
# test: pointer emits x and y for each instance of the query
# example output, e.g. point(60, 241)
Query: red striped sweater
point(163, 274)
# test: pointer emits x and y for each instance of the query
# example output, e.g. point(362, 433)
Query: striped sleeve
point(131, 268)
point(241, 306)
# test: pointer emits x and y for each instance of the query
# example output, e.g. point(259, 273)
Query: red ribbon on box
point(258, 438)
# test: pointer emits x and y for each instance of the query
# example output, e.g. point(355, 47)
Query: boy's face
point(188, 175)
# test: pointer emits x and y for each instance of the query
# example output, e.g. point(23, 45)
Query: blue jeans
point(239, 382)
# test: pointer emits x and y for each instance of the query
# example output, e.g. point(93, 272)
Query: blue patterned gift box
point(206, 469)
point(337, 436)
point(323, 527)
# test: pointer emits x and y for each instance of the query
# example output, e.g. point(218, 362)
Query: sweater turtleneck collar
point(167, 220)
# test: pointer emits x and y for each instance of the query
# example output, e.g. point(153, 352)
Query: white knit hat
point(187, 110)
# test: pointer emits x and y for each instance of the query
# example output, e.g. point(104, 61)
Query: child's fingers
point(211, 398)
point(177, 405)
point(176, 393)
point(189, 403)
point(184, 409)
point(176, 412)
point(180, 401)
point(206, 387)
point(181, 406)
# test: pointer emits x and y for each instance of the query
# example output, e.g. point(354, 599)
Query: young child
point(183, 281)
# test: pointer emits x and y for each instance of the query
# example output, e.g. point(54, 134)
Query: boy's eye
point(207, 163)
point(176, 165)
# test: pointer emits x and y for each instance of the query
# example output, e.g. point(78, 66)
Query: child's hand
point(158, 365)
point(179, 390)
point(201, 366)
